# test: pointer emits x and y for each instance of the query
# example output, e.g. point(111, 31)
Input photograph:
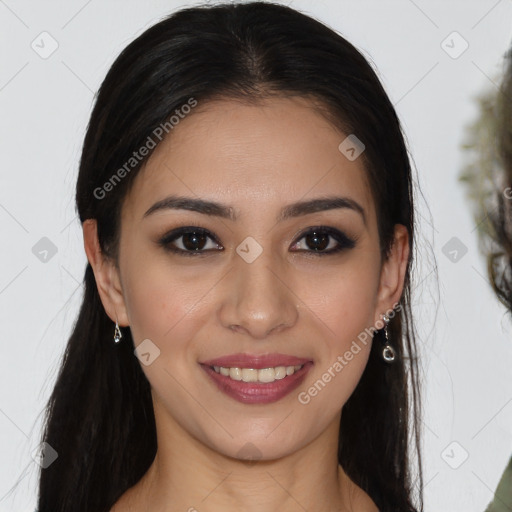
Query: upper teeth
point(253, 375)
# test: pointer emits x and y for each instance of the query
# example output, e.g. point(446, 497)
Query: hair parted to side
point(99, 417)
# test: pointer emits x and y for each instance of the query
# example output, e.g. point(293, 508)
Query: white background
point(465, 334)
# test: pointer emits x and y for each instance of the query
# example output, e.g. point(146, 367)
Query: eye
point(190, 241)
point(195, 241)
point(324, 240)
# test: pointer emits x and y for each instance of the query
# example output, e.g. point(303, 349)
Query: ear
point(106, 274)
point(393, 272)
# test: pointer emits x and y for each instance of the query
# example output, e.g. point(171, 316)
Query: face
point(249, 257)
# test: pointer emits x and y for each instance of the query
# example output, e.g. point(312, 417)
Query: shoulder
point(503, 495)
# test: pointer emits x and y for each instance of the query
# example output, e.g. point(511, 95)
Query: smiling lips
point(257, 379)
point(254, 375)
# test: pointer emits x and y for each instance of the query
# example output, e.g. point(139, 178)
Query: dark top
point(503, 497)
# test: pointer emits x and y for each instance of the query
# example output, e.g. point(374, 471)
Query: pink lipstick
point(257, 379)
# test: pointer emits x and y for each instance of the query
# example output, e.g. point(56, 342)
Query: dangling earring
point(388, 352)
point(117, 333)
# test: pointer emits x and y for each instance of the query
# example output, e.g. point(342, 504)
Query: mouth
point(264, 375)
point(257, 379)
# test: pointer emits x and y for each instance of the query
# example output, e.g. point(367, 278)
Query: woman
point(245, 339)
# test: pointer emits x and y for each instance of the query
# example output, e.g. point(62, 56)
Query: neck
point(188, 476)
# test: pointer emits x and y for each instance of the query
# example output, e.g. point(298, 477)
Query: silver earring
point(117, 334)
point(388, 352)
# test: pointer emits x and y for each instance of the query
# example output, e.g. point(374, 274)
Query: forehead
point(279, 150)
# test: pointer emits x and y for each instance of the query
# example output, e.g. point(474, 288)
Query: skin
point(256, 159)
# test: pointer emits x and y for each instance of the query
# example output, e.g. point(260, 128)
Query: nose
point(258, 299)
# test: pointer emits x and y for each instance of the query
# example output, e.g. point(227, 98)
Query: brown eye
point(194, 241)
point(324, 240)
point(317, 241)
point(190, 241)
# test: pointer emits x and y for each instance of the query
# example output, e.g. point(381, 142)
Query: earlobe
point(106, 274)
point(393, 272)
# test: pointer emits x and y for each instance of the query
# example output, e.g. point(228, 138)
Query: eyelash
point(344, 241)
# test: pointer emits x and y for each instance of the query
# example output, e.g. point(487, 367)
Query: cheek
point(341, 308)
point(162, 300)
point(344, 348)
point(343, 301)
point(168, 307)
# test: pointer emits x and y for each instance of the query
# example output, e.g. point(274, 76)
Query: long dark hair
point(99, 417)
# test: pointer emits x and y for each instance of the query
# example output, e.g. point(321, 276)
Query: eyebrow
point(215, 209)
